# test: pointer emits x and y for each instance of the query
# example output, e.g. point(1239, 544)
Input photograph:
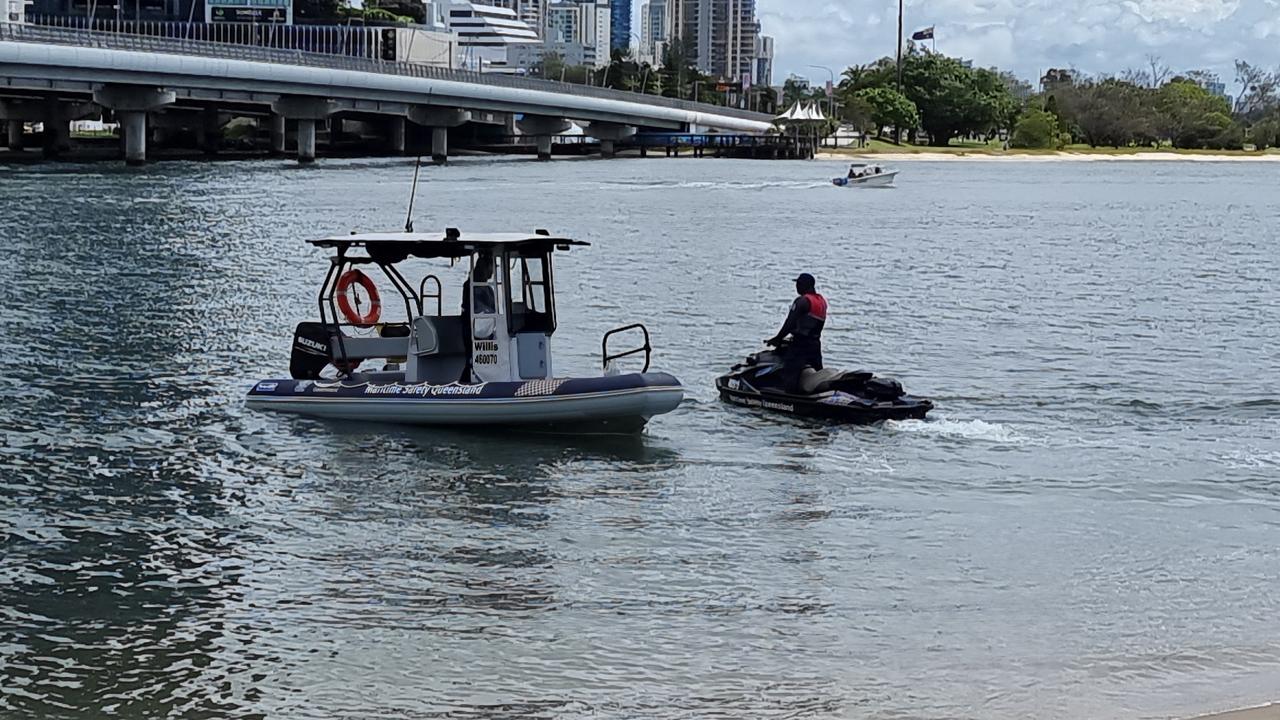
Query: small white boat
point(488, 366)
point(866, 175)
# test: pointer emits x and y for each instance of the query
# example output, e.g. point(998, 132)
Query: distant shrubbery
point(942, 98)
point(1036, 129)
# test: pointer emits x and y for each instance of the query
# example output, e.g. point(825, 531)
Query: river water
point(1086, 527)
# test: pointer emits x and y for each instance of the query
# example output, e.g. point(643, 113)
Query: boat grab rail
point(647, 349)
point(438, 295)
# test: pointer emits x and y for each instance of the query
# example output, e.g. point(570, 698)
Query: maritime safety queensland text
point(423, 390)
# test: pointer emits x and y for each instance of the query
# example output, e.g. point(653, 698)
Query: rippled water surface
point(1088, 526)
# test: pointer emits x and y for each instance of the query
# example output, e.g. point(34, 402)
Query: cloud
point(1029, 36)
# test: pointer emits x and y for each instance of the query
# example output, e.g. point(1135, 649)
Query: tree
point(1266, 133)
point(680, 75)
point(1190, 115)
point(317, 9)
point(855, 111)
point(1138, 77)
point(889, 108)
point(1159, 71)
point(1110, 112)
point(881, 73)
point(1258, 90)
point(954, 99)
point(794, 90)
point(401, 10)
point(1036, 128)
point(551, 66)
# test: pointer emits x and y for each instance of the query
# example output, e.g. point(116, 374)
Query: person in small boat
point(482, 299)
point(483, 296)
point(853, 172)
point(804, 323)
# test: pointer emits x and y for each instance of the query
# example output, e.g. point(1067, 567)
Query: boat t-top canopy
point(396, 246)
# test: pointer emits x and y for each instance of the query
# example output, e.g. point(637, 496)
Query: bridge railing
point(267, 54)
point(348, 40)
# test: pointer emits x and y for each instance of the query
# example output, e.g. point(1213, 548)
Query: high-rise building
point(620, 24)
point(530, 12)
point(653, 30)
point(485, 32)
point(564, 23)
point(764, 61)
point(602, 35)
point(582, 23)
point(720, 34)
point(15, 12)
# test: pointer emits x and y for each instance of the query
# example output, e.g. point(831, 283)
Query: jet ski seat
point(813, 381)
point(816, 382)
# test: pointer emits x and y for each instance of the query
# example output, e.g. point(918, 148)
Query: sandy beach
point(1044, 157)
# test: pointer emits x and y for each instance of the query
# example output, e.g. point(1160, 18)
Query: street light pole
point(638, 57)
point(899, 46)
point(897, 131)
point(831, 96)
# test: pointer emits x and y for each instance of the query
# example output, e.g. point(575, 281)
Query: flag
point(925, 34)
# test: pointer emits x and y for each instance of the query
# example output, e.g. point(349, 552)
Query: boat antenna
point(413, 191)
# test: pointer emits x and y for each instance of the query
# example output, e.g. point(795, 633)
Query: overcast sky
point(1028, 36)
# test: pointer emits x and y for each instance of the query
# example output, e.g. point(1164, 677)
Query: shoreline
point(1057, 156)
point(1270, 711)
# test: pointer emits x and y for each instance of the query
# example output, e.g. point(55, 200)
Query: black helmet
point(805, 280)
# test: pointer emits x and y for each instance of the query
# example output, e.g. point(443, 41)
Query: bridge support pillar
point(132, 103)
point(134, 123)
point(210, 131)
point(307, 111)
point(395, 135)
point(306, 141)
point(57, 130)
point(15, 134)
point(278, 134)
point(439, 120)
point(609, 134)
point(544, 127)
point(439, 145)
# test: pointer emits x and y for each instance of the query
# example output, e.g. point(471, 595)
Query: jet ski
point(843, 396)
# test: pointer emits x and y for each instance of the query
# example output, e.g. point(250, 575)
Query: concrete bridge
point(54, 76)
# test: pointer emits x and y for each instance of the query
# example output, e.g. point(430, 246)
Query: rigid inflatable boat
point(489, 366)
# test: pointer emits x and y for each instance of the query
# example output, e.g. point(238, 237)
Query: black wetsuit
point(804, 324)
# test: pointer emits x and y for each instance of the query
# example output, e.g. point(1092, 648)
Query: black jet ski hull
point(834, 407)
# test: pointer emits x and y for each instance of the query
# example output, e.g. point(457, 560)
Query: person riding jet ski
point(804, 323)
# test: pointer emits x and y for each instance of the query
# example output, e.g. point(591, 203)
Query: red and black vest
point(811, 323)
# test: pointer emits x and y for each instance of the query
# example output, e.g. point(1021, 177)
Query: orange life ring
point(351, 313)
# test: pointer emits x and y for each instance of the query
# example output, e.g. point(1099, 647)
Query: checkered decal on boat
point(535, 388)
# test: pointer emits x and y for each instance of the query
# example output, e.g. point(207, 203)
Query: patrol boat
point(490, 365)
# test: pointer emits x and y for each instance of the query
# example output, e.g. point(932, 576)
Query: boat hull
point(616, 404)
point(884, 179)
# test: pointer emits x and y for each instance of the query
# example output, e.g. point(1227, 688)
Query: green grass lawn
point(996, 147)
